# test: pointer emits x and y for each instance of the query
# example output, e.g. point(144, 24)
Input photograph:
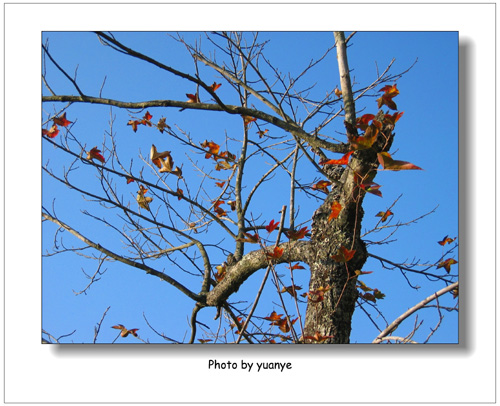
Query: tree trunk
point(332, 315)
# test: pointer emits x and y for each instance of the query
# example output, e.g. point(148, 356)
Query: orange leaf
point(322, 185)
point(276, 254)
point(134, 124)
point(272, 226)
point(142, 200)
point(283, 324)
point(390, 164)
point(62, 120)
point(180, 194)
point(221, 272)
point(157, 157)
point(248, 119)
point(364, 141)
point(384, 215)
point(392, 119)
point(162, 125)
point(342, 161)
point(296, 266)
point(95, 154)
point(343, 254)
point(52, 132)
point(297, 234)
point(129, 180)
point(193, 98)
point(212, 147)
point(447, 264)
point(262, 133)
point(336, 208)
point(203, 341)
point(177, 172)
point(318, 338)
point(389, 93)
point(167, 164)
point(253, 239)
point(446, 240)
point(358, 272)
point(224, 165)
point(220, 184)
point(291, 289)
point(317, 295)
point(337, 92)
point(273, 316)
point(124, 331)
point(215, 86)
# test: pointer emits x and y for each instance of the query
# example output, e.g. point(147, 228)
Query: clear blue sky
point(426, 135)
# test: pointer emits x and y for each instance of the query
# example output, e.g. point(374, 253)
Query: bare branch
point(394, 325)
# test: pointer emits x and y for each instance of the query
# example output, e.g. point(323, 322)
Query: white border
point(36, 373)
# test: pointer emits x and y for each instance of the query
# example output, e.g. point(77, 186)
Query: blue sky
point(426, 135)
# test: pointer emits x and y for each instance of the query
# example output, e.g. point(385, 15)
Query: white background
point(356, 373)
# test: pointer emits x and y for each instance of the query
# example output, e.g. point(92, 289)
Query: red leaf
point(371, 187)
point(95, 154)
point(193, 98)
point(343, 254)
point(146, 119)
point(62, 120)
point(297, 234)
point(52, 132)
point(272, 226)
point(129, 180)
point(362, 122)
point(220, 184)
point(276, 254)
point(390, 164)
point(342, 161)
point(180, 194)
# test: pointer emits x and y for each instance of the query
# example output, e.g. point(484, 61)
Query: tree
point(214, 208)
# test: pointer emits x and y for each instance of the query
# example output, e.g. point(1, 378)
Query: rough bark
point(332, 316)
